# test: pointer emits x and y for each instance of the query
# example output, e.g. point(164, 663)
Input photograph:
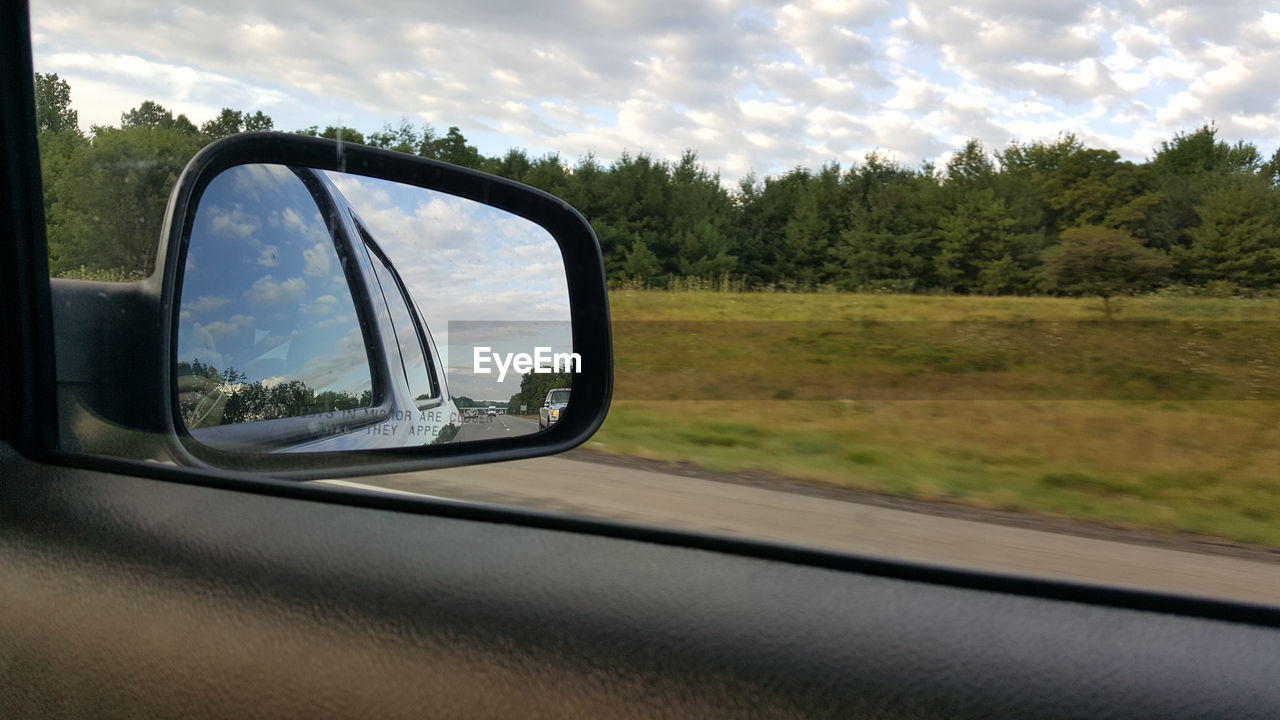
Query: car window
point(415, 361)
point(267, 327)
point(990, 285)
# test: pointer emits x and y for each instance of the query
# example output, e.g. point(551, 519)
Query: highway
point(649, 497)
point(501, 426)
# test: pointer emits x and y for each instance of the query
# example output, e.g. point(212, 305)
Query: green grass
point(1167, 418)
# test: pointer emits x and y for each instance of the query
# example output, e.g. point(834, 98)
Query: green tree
point(153, 115)
point(452, 148)
point(59, 134)
point(982, 249)
point(110, 197)
point(632, 200)
point(701, 217)
point(227, 122)
point(258, 121)
point(230, 122)
point(819, 216)
point(641, 263)
point(1184, 170)
point(534, 388)
point(1103, 262)
point(514, 165)
point(1094, 187)
point(53, 105)
point(763, 209)
point(549, 174)
point(971, 166)
point(891, 237)
point(343, 133)
point(1238, 237)
point(403, 137)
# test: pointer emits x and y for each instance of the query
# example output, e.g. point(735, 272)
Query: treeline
point(462, 402)
point(209, 396)
point(533, 390)
point(1200, 213)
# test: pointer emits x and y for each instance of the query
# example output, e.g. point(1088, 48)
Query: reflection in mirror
point(326, 311)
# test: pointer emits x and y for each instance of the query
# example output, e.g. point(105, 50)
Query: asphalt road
point(501, 426)
point(658, 498)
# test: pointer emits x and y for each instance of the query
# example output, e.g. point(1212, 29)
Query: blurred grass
point(1165, 419)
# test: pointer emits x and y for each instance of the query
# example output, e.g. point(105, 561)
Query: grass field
point(1166, 418)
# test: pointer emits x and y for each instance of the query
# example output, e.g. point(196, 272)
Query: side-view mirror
point(328, 309)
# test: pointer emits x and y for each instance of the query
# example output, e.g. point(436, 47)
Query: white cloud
point(267, 291)
point(323, 305)
point(205, 304)
point(221, 329)
point(230, 223)
point(316, 260)
point(750, 85)
point(269, 256)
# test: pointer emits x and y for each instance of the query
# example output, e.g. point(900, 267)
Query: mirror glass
point(329, 311)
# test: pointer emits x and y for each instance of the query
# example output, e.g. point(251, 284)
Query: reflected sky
point(264, 291)
point(265, 294)
point(464, 261)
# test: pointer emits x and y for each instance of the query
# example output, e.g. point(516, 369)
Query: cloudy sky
point(751, 85)
point(481, 277)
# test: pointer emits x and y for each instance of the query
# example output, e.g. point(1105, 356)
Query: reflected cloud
point(267, 291)
point(269, 256)
point(316, 260)
point(205, 304)
point(323, 305)
point(231, 223)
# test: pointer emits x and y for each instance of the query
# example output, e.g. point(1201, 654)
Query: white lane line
point(393, 491)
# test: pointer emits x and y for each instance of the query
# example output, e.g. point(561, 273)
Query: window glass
point(267, 327)
point(416, 367)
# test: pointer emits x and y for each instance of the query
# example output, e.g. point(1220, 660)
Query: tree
point(344, 134)
point(1184, 170)
point(971, 166)
point(534, 388)
point(982, 249)
point(514, 165)
point(452, 148)
point(401, 138)
point(548, 173)
point(1238, 238)
point(763, 209)
point(110, 197)
point(153, 115)
point(641, 263)
point(818, 217)
point(700, 219)
point(1104, 262)
point(1094, 187)
point(59, 134)
point(53, 105)
point(230, 122)
point(891, 238)
point(258, 121)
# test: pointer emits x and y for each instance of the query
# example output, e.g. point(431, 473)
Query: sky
point(481, 277)
point(264, 291)
point(751, 86)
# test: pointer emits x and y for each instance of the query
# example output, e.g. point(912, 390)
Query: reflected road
point(502, 426)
